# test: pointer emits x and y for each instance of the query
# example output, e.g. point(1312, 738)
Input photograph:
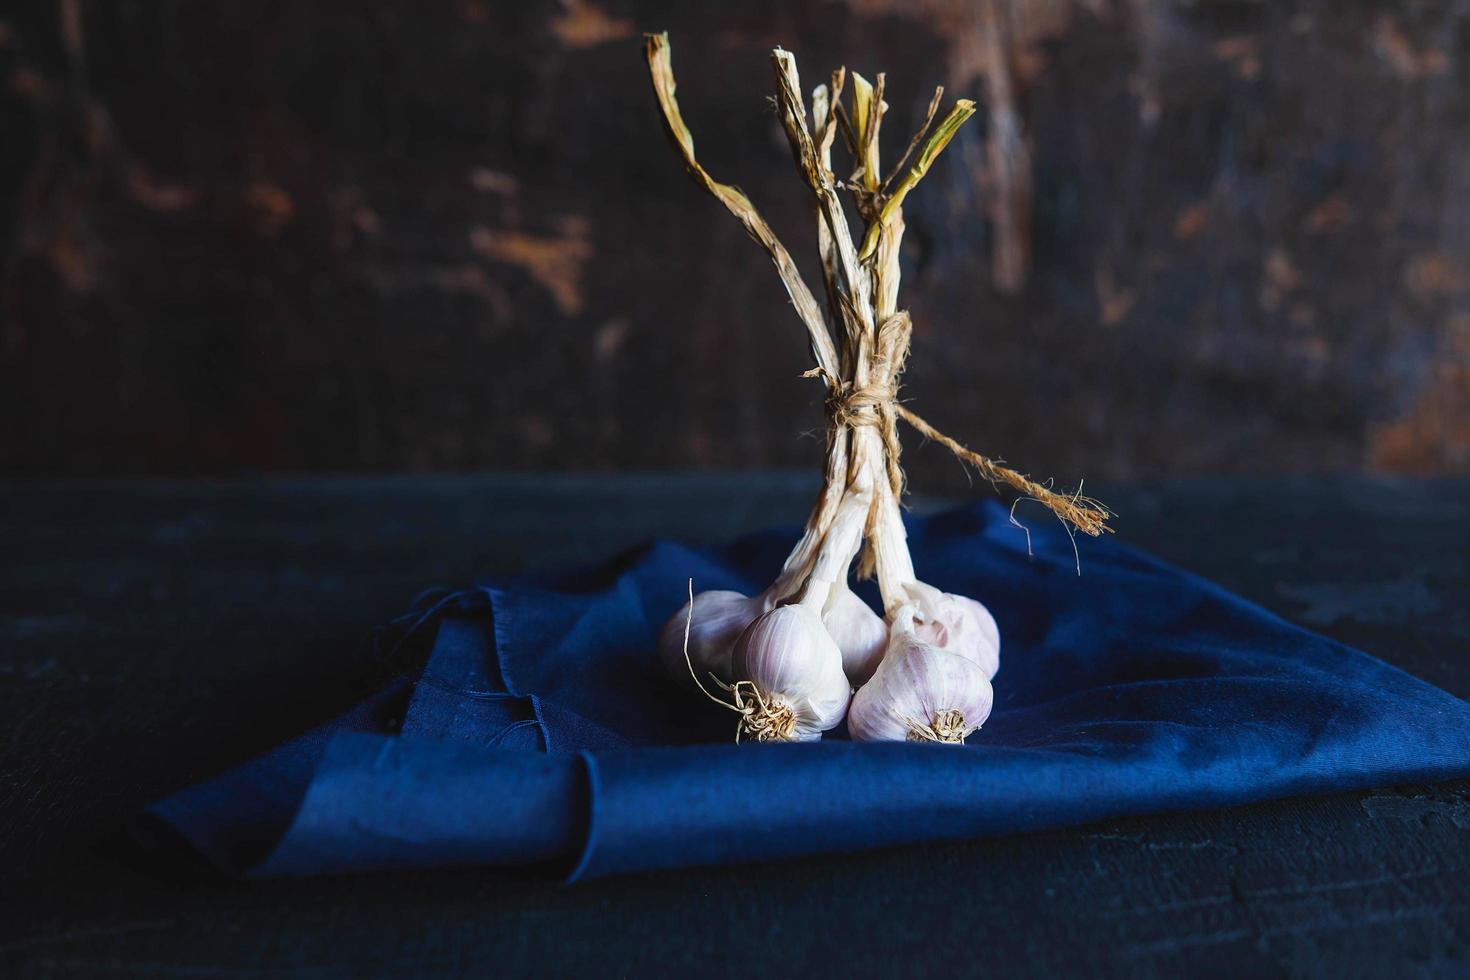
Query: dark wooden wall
point(1231, 236)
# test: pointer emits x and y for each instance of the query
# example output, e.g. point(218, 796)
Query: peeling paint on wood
point(555, 261)
point(1228, 236)
point(584, 24)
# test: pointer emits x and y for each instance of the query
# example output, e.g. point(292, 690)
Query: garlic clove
point(920, 693)
point(957, 624)
point(859, 633)
point(788, 677)
point(719, 618)
point(827, 703)
point(987, 635)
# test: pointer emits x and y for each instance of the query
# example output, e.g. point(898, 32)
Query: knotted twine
point(850, 405)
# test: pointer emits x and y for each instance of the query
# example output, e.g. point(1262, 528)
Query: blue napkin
point(541, 730)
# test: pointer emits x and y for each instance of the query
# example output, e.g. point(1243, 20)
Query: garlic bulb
point(956, 624)
point(924, 674)
point(859, 633)
point(920, 693)
point(718, 620)
point(789, 681)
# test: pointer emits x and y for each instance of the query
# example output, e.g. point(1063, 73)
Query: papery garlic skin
point(793, 668)
point(988, 630)
point(859, 633)
point(956, 624)
point(919, 693)
point(720, 616)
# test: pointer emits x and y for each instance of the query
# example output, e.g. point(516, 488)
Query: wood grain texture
point(1199, 237)
point(145, 628)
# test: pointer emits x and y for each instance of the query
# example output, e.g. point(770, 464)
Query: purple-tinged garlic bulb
point(789, 685)
point(956, 624)
point(718, 619)
point(921, 692)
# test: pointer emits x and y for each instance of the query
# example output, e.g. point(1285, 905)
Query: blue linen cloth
point(541, 730)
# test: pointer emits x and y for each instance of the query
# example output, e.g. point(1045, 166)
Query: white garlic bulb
point(719, 618)
point(920, 693)
point(955, 624)
point(789, 684)
point(859, 633)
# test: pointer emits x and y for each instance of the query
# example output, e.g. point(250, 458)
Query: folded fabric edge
point(792, 806)
point(385, 803)
point(236, 818)
point(380, 802)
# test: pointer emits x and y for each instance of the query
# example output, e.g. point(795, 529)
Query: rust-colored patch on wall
point(164, 196)
point(1435, 274)
point(488, 181)
point(1434, 435)
point(1331, 216)
point(1302, 315)
point(1394, 46)
point(1191, 221)
point(273, 207)
point(610, 337)
point(1243, 53)
point(30, 85)
point(556, 261)
point(470, 280)
point(474, 11)
point(73, 263)
point(70, 16)
point(1113, 304)
point(1281, 277)
point(584, 24)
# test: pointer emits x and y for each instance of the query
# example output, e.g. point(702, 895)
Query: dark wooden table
point(145, 629)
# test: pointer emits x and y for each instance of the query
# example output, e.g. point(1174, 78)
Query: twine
point(850, 406)
point(1082, 513)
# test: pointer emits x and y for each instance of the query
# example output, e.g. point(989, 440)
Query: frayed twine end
point(1078, 512)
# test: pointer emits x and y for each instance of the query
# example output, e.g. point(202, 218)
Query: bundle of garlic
point(790, 658)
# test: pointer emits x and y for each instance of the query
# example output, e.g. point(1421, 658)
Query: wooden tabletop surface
point(154, 632)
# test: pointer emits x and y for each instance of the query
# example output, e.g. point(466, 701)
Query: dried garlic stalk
point(788, 657)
